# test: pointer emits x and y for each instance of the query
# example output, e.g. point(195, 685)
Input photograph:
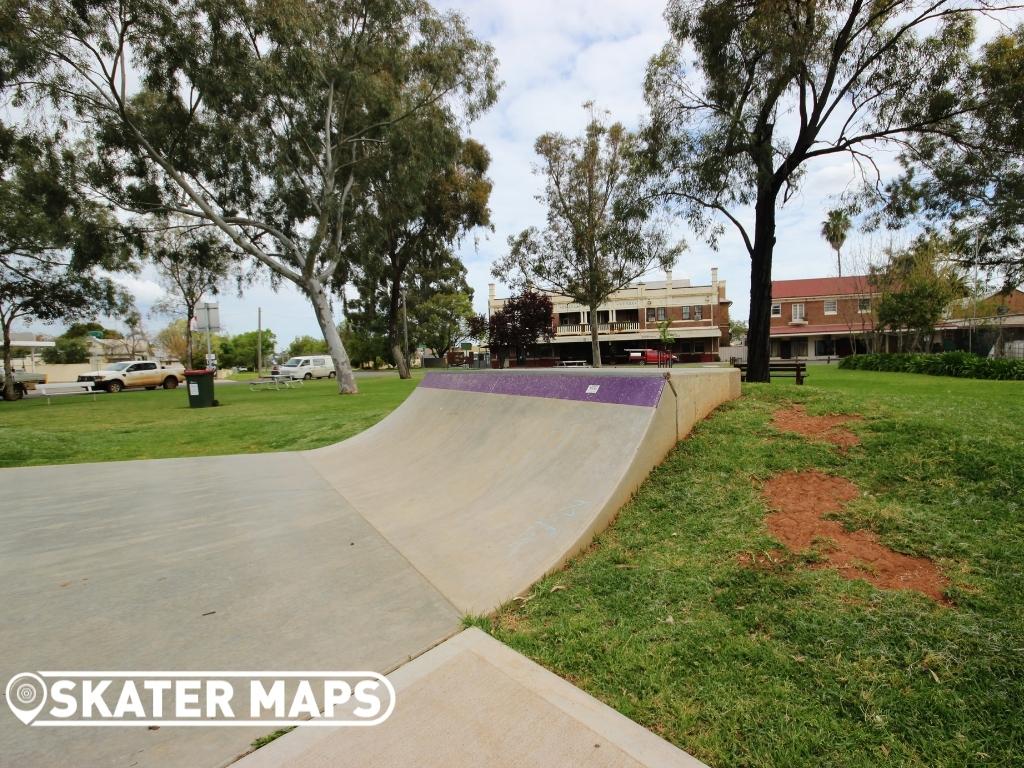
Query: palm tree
point(834, 229)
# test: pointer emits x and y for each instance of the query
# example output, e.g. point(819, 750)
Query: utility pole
point(259, 341)
point(209, 333)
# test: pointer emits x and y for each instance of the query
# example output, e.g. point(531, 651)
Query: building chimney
point(714, 275)
point(668, 279)
point(492, 292)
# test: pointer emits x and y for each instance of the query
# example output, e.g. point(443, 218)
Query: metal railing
point(581, 329)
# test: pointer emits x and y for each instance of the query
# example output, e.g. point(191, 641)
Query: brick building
point(630, 320)
point(825, 317)
point(822, 317)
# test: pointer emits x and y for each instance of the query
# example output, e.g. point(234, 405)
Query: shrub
point(960, 364)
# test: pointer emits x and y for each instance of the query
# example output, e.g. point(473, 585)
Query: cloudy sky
point(553, 58)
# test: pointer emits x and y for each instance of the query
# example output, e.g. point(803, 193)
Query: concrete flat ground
point(113, 566)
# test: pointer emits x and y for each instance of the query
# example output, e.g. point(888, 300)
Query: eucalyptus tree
point(191, 264)
point(254, 118)
point(443, 321)
point(52, 241)
point(774, 86)
point(974, 191)
point(599, 235)
point(425, 192)
point(834, 229)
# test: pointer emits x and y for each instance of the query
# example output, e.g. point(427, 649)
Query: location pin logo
point(26, 695)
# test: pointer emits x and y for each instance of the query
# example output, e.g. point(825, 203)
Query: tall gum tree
point(252, 117)
point(599, 235)
point(426, 192)
point(190, 264)
point(777, 84)
point(973, 192)
point(52, 240)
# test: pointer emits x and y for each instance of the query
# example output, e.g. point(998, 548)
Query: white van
point(313, 367)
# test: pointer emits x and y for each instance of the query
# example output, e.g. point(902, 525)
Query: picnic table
point(274, 382)
point(66, 388)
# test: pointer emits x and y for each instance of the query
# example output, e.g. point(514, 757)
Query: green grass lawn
point(787, 666)
point(159, 424)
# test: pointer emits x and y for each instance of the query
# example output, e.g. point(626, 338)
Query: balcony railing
point(581, 329)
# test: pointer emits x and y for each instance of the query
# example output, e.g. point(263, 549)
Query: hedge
point(961, 364)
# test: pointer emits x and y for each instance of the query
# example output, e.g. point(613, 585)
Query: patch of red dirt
point(825, 428)
point(802, 498)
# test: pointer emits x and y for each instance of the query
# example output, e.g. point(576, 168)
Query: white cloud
point(145, 290)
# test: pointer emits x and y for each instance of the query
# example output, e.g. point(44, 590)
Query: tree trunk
point(190, 311)
point(839, 262)
point(394, 307)
point(595, 345)
point(8, 365)
point(400, 362)
point(325, 317)
point(759, 323)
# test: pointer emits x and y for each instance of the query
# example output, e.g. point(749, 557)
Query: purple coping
point(619, 390)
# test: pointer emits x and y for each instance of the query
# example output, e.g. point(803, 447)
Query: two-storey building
point(697, 317)
point(822, 317)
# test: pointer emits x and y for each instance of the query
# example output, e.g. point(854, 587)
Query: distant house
point(989, 324)
point(697, 317)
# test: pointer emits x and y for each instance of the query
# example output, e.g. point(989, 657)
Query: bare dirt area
point(829, 429)
point(801, 499)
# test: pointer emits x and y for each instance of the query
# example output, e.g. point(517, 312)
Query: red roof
point(820, 286)
point(835, 329)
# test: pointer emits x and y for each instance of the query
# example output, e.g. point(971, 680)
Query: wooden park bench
point(67, 388)
point(786, 369)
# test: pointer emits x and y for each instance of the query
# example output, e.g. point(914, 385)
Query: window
point(831, 307)
point(698, 313)
point(798, 312)
point(661, 314)
point(863, 305)
point(650, 314)
point(776, 310)
point(686, 313)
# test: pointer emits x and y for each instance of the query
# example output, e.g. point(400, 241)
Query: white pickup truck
point(136, 373)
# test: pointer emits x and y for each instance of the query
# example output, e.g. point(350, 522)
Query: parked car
point(312, 367)
point(23, 382)
point(652, 356)
point(136, 373)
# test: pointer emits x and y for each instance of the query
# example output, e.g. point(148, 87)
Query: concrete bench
point(66, 388)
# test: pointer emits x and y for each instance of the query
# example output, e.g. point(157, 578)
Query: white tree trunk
point(325, 317)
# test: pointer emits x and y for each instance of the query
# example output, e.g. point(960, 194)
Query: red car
point(651, 356)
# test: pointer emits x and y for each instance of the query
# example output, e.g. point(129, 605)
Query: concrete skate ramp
point(361, 555)
point(485, 482)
